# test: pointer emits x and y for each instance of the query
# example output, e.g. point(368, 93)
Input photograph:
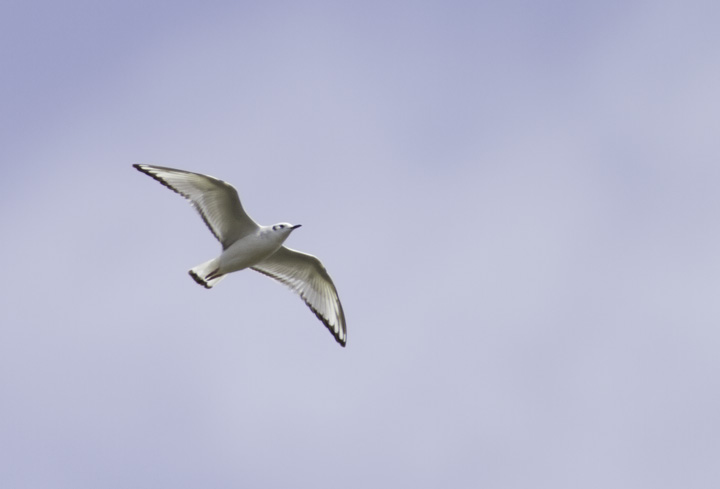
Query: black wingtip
point(146, 171)
point(342, 341)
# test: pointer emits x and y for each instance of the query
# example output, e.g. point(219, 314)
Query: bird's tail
point(206, 274)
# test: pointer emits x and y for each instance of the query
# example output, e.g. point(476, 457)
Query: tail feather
point(206, 274)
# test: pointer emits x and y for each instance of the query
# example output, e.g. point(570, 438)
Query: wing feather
point(216, 201)
point(305, 275)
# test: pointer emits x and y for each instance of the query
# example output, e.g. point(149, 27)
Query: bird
point(247, 244)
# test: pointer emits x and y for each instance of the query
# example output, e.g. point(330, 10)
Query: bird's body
point(247, 244)
point(243, 253)
point(251, 249)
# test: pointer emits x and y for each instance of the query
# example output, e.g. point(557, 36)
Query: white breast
point(250, 250)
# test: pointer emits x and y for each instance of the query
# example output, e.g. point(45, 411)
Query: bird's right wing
point(216, 201)
point(307, 277)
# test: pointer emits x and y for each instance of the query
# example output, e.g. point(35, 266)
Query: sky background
point(518, 202)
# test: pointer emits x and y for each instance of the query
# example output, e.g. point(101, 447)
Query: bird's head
point(285, 228)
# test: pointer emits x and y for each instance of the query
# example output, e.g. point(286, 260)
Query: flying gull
point(246, 244)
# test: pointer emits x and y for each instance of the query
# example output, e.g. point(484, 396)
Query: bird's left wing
point(216, 201)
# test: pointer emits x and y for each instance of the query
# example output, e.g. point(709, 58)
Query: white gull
point(246, 244)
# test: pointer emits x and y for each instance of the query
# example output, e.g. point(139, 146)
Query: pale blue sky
point(518, 202)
